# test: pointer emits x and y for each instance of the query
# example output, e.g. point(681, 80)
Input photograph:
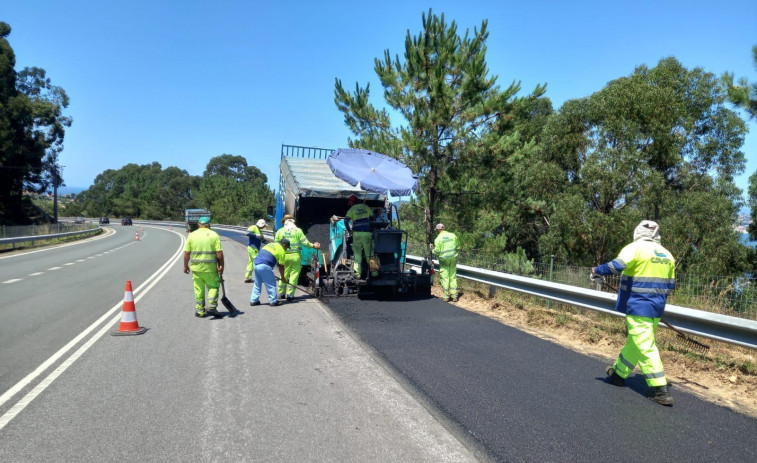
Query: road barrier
point(733, 330)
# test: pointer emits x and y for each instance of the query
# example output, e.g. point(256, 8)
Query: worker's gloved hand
point(595, 277)
point(334, 219)
point(317, 245)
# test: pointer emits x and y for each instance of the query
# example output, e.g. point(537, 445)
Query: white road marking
point(55, 268)
point(21, 404)
point(35, 274)
point(69, 263)
point(13, 280)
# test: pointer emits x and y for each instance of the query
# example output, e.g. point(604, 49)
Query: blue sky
point(179, 82)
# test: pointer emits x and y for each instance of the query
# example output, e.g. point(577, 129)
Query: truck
point(191, 216)
point(317, 199)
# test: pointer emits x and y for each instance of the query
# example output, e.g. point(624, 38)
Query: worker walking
point(254, 242)
point(359, 223)
point(292, 263)
point(647, 277)
point(271, 254)
point(445, 248)
point(204, 257)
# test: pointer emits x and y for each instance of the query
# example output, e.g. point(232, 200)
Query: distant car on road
point(79, 220)
point(126, 221)
point(104, 220)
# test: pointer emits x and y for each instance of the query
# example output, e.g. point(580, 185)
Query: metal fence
point(17, 231)
point(728, 295)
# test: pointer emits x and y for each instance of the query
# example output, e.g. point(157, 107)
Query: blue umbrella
point(372, 171)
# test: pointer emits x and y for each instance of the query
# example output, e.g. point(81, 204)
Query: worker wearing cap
point(204, 257)
point(272, 254)
point(359, 223)
point(445, 248)
point(647, 277)
point(293, 261)
point(254, 242)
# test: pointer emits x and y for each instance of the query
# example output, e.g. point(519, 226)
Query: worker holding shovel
point(203, 256)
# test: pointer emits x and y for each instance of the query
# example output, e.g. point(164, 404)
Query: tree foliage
point(233, 191)
point(145, 191)
point(658, 144)
point(450, 104)
point(742, 93)
point(32, 129)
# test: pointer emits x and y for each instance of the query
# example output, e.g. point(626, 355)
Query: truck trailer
point(317, 199)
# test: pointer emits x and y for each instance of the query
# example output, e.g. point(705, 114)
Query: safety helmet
point(203, 220)
point(440, 226)
point(261, 224)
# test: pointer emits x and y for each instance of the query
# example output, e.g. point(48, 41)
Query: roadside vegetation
point(514, 177)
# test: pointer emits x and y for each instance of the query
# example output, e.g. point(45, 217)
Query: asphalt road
point(273, 384)
point(353, 380)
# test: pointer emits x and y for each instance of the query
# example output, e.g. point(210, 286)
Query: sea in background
point(745, 240)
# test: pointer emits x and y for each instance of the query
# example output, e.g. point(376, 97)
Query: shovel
point(226, 302)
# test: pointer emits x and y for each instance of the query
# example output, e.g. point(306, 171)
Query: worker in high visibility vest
point(445, 248)
point(647, 277)
point(204, 257)
point(293, 260)
point(255, 241)
point(271, 255)
point(359, 222)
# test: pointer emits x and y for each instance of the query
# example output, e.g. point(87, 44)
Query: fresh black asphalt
point(521, 398)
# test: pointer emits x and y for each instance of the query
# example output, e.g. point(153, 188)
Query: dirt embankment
point(726, 374)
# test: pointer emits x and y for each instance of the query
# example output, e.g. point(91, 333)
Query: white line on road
point(55, 268)
point(12, 281)
point(35, 274)
point(21, 404)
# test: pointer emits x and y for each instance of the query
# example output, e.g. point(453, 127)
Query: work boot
point(254, 303)
point(248, 280)
point(455, 298)
point(214, 313)
point(200, 314)
point(290, 298)
point(447, 298)
point(660, 394)
point(614, 378)
point(276, 304)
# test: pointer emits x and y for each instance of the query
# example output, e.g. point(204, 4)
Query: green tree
point(233, 191)
point(32, 128)
point(449, 102)
point(752, 194)
point(743, 94)
point(658, 144)
point(145, 191)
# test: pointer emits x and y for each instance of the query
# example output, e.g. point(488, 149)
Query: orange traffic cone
point(129, 324)
point(136, 237)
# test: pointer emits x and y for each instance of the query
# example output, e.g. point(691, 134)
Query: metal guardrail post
point(551, 267)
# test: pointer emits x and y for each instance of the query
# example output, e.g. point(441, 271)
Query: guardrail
point(34, 238)
point(724, 328)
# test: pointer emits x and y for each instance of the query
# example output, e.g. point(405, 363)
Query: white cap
point(440, 226)
point(261, 224)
